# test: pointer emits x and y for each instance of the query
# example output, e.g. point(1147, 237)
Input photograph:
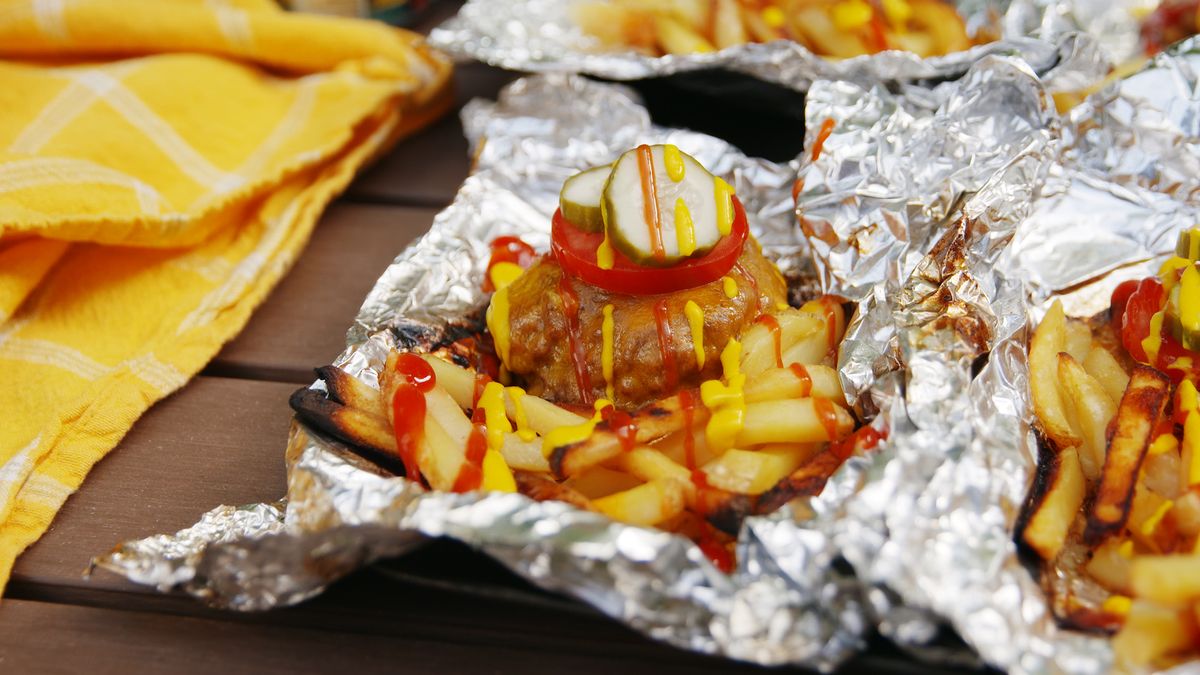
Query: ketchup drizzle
point(801, 374)
point(508, 249)
point(621, 424)
point(687, 405)
point(665, 345)
point(570, 303)
point(772, 325)
point(822, 135)
point(408, 409)
point(827, 417)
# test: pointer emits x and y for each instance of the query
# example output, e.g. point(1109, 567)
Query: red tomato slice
point(1135, 322)
point(1120, 298)
point(575, 250)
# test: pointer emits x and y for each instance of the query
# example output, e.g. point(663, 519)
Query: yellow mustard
point(504, 273)
point(773, 16)
point(695, 317)
point(674, 161)
point(497, 477)
point(575, 433)
point(1189, 398)
point(1164, 443)
point(685, 230)
point(1191, 444)
point(726, 401)
point(1152, 342)
point(730, 286)
point(494, 415)
point(497, 321)
point(1151, 523)
point(604, 254)
point(1117, 604)
point(606, 350)
point(851, 14)
point(898, 12)
point(724, 197)
point(517, 396)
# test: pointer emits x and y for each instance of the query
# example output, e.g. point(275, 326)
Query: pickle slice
point(681, 219)
point(1188, 245)
point(580, 198)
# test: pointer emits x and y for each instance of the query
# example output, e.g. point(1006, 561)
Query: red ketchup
point(408, 409)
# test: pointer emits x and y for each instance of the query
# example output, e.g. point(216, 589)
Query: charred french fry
point(1048, 341)
point(647, 504)
point(1093, 411)
point(543, 489)
point(350, 424)
point(807, 481)
point(1138, 414)
point(1046, 530)
point(351, 392)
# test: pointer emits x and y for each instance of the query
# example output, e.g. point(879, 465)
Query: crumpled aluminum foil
point(540, 36)
point(784, 604)
point(958, 217)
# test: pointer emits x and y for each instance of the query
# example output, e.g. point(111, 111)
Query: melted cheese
point(724, 197)
point(498, 323)
point(685, 230)
point(730, 286)
point(674, 161)
point(695, 317)
point(606, 350)
point(517, 396)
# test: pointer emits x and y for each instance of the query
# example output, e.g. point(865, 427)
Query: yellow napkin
point(162, 162)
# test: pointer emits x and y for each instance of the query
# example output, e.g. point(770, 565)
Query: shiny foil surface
point(540, 36)
point(951, 214)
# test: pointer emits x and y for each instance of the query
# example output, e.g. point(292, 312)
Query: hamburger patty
point(542, 343)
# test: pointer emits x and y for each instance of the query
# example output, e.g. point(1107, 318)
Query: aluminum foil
point(540, 36)
point(785, 603)
point(970, 209)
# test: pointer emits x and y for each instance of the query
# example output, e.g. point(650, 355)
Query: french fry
point(758, 342)
point(728, 29)
point(807, 481)
point(647, 504)
point(1110, 566)
point(615, 25)
point(1150, 632)
point(675, 37)
point(649, 464)
point(674, 447)
point(754, 472)
point(1046, 530)
point(542, 415)
point(1048, 341)
point(1102, 365)
point(349, 391)
point(439, 456)
point(1078, 339)
point(781, 383)
point(1171, 580)
point(544, 489)
point(942, 22)
point(349, 424)
point(524, 455)
point(818, 29)
point(1137, 415)
point(757, 27)
point(599, 481)
point(790, 421)
point(1093, 411)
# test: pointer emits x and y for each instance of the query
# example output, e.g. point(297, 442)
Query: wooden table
point(221, 439)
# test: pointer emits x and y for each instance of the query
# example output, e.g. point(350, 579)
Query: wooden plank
point(49, 638)
point(426, 169)
point(303, 323)
point(215, 441)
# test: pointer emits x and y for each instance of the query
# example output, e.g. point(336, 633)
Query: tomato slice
point(575, 250)
point(1135, 320)
point(1120, 298)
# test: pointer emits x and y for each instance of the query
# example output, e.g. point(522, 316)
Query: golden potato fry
point(1048, 341)
point(759, 347)
point(754, 472)
point(1110, 566)
point(439, 457)
point(1146, 513)
point(1149, 633)
point(1187, 514)
point(675, 37)
point(1102, 365)
point(544, 489)
point(1170, 580)
point(941, 21)
point(792, 421)
point(1078, 339)
point(797, 381)
point(649, 464)
point(758, 28)
point(673, 447)
point(807, 481)
point(599, 482)
point(1093, 411)
point(819, 31)
point(728, 29)
point(1047, 529)
point(524, 455)
point(647, 504)
point(542, 415)
point(615, 25)
point(1137, 415)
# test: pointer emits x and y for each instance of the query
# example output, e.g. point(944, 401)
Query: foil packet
point(541, 36)
point(960, 215)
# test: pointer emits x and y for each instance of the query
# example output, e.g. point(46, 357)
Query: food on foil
point(833, 28)
point(1116, 507)
point(647, 368)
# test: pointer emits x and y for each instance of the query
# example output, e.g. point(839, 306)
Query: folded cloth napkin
point(162, 163)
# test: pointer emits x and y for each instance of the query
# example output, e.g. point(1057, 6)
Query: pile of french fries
point(1122, 481)
point(777, 455)
point(833, 28)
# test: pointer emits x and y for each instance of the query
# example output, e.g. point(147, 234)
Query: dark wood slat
point(49, 638)
point(426, 169)
point(216, 441)
point(302, 325)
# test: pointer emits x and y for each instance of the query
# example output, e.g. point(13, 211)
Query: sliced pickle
point(580, 198)
point(682, 218)
point(1181, 316)
point(1188, 245)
